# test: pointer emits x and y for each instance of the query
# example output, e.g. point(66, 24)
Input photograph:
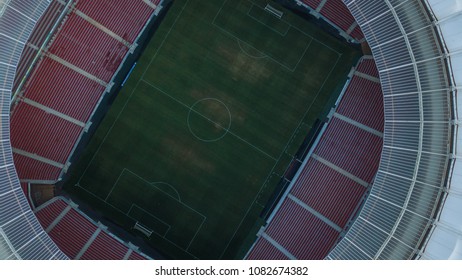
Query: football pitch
point(207, 123)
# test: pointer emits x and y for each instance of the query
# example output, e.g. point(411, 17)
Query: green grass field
point(210, 118)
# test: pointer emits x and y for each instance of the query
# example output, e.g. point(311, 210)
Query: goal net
point(143, 229)
point(270, 9)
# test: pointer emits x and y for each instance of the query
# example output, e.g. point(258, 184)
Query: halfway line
point(210, 120)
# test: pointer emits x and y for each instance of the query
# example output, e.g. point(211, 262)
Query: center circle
point(209, 119)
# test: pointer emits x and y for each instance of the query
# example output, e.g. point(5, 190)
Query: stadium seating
point(300, 232)
point(125, 18)
point(49, 213)
point(31, 169)
point(79, 237)
point(322, 187)
point(39, 132)
point(357, 33)
point(333, 180)
point(367, 66)
point(71, 233)
point(351, 148)
point(371, 114)
point(52, 88)
point(85, 46)
point(263, 249)
point(74, 70)
point(338, 14)
point(105, 247)
point(136, 256)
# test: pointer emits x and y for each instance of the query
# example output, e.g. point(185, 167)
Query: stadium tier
point(333, 180)
point(75, 63)
point(105, 247)
point(322, 187)
point(124, 18)
point(87, 49)
point(368, 67)
point(299, 233)
point(51, 110)
point(39, 133)
point(78, 236)
point(53, 91)
point(27, 167)
point(412, 177)
point(352, 203)
point(336, 13)
point(71, 233)
point(264, 250)
point(49, 213)
point(372, 114)
point(351, 148)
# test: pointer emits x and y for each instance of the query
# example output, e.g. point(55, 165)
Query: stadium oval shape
point(414, 203)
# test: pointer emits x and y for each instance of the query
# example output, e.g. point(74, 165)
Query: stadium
point(188, 129)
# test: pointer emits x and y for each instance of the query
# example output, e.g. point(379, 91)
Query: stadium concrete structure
point(413, 209)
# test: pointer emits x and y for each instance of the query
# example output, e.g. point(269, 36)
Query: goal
point(143, 229)
point(270, 9)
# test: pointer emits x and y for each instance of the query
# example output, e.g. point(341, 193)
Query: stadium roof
point(445, 242)
point(21, 235)
point(415, 51)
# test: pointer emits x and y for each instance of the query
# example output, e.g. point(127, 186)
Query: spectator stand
point(335, 13)
point(329, 189)
point(58, 67)
point(79, 236)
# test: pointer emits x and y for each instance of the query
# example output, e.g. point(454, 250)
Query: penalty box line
point(150, 184)
point(203, 217)
point(298, 29)
point(288, 68)
point(282, 20)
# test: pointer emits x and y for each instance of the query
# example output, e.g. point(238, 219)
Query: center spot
point(209, 119)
